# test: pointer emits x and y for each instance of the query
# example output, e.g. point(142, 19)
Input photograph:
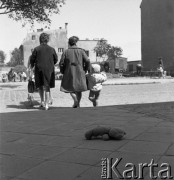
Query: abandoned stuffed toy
point(106, 133)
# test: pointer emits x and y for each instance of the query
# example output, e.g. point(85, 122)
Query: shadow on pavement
point(9, 86)
point(151, 106)
point(146, 107)
point(24, 105)
point(164, 110)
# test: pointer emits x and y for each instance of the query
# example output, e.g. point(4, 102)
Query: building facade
point(157, 33)
point(88, 46)
point(59, 41)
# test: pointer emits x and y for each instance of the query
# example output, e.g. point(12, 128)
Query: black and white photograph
point(86, 89)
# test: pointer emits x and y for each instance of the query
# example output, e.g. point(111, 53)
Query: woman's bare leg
point(41, 93)
point(79, 96)
point(50, 98)
point(74, 96)
point(47, 97)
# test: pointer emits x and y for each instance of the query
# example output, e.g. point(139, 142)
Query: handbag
point(31, 86)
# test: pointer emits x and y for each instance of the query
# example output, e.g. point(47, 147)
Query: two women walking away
point(74, 64)
point(43, 59)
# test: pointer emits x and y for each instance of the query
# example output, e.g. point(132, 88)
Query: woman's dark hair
point(44, 38)
point(73, 40)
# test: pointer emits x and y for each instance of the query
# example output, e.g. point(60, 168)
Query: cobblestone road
point(14, 95)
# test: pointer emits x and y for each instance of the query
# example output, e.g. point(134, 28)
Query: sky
point(118, 21)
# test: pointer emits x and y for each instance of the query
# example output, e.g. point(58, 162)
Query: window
point(33, 37)
point(60, 50)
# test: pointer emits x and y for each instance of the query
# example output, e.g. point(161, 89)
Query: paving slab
point(15, 148)
point(157, 137)
point(148, 147)
point(167, 130)
point(93, 173)
point(170, 151)
point(12, 166)
point(10, 137)
point(111, 145)
point(36, 139)
point(42, 152)
point(82, 156)
point(54, 170)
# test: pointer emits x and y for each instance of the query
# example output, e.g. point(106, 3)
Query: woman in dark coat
point(73, 65)
point(44, 58)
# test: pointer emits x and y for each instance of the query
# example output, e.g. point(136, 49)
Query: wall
point(89, 46)
point(58, 39)
point(157, 32)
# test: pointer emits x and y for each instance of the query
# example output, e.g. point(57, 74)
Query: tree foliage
point(104, 49)
point(16, 57)
point(30, 10)
point(2, 57)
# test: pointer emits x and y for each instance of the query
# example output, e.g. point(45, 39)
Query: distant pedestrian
point(24, 76)
point(14, 76)
point(139, 68)
point(160, 68)
point(160, 71)
point(73, 65)
point(95, 80)
point(161, 62)
point(44, 58)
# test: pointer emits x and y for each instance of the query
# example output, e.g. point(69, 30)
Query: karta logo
point(117, 170)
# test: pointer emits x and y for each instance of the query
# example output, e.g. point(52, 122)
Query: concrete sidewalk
point(50, 145)
point(138, 80)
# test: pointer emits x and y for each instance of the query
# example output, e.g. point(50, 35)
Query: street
point(14, 95)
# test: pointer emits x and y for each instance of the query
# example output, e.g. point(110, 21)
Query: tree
point(2, 57)
point(104, 49)
point(16, 57)
point(31, 10)
point(114, 52)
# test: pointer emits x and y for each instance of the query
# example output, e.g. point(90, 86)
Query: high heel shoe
point(76, 105)
point(46, 107)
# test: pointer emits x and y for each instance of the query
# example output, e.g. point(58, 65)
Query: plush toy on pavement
point(106, 133)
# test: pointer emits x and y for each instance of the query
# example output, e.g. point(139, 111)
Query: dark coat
point(73, 64)
point(44, 58)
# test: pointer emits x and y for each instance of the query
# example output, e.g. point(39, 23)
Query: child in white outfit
point(95, 79)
